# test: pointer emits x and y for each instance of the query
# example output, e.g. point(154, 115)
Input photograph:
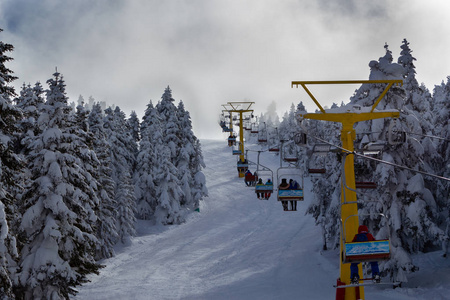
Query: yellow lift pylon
point(348, 197)
point(241, 108)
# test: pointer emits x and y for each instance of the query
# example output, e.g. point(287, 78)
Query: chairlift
point(263, 190)
point(236, 150)
point(300, 139)
point(396, 135)
point(290, 154)
point(373, 148)
point(274, 148)
point(262, 135)
point(365, 185)
point(292, 195)
point(254, 128)
point(320, 150)
point(242, 166)
point(274, 143)
point(367, 251)
point(232, 140)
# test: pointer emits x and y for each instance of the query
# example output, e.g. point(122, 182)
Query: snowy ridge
point(238, 247)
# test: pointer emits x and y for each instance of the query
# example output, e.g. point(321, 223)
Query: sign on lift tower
point(348, 196)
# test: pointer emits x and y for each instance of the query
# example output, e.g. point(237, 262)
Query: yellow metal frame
point(348, 119)
point(389, 82)
point(240, 108)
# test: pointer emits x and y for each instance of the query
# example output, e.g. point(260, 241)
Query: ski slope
point(239, 247)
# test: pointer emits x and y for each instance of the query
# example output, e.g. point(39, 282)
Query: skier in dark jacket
point(284, 186)
point(293, 185)
point(363, 235)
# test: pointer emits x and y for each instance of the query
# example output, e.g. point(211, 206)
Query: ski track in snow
point(239, 247)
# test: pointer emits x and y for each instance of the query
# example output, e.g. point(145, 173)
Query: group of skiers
point(253, 180)
point(292, 185)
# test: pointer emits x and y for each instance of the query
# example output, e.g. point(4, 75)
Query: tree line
point(74, 181)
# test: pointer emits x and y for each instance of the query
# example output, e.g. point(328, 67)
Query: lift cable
point(380, 160)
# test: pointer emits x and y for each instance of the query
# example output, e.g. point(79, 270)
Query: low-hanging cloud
point(212, 52)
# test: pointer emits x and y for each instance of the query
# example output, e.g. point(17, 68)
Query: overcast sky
point(210, 52)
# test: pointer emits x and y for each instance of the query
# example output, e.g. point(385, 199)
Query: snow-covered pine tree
point(167, 112)
point(168, 192)
point(29, 101)
point(441, 111)
point(123, 161)
point(133, 124)
point(106, 231)
point(190, 162)
point(10, 169)
point(401, 195)
point(59, 218)
point(147, 159)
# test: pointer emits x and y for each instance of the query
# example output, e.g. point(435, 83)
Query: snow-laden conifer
point(10, 170)
point(401, 195)
point(147, 158)
point(122, 149)
point(106, 231)
point(59, 217)
point(190, 162)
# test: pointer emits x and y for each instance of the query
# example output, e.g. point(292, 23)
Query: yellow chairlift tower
point(241, 108)
point(348, 197)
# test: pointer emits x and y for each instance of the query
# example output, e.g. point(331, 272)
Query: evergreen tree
point(122, 149)
point(106, 231)
point(10, 169)
point(133, 124)
point(145, 190)
point(59, 217)
point(401, 195)
point(190, 162)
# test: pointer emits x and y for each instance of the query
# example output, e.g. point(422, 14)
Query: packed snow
point(239, 247)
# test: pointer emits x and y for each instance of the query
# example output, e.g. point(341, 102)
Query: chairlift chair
point(290, 156)
point(300, 139)
point(254, 128)
point(232, 140)
point(367, 251)
point(396, 135)
point(264, 189)
point(318, 150)
point(274, 148)
point(285, 195)
point(262, 135)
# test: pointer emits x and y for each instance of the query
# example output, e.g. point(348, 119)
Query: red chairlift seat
point(274, 149)
point(365, 185)
point(316, 171)
point(290, 159)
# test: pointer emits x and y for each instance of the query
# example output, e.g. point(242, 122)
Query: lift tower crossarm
point(389, 82)
point(348, 194)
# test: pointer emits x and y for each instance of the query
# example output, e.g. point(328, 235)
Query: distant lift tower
point(348, 194)
point(241, 108)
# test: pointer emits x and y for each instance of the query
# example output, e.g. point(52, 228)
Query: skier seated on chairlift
point(248, 178)
point(284, 186)
point(293, 185)
point(260, 194)
point(363, 235)
point(267, 194)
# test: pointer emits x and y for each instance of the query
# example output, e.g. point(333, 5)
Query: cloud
point(212, 52)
